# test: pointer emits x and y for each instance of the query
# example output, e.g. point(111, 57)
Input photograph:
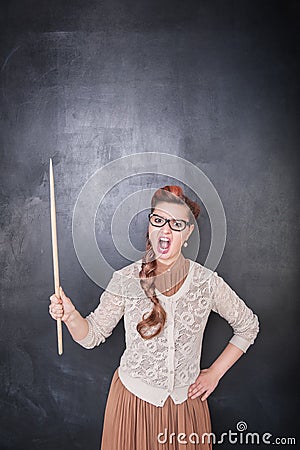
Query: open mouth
point(164, 244)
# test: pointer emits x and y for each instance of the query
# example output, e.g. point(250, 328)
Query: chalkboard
point(85, 83)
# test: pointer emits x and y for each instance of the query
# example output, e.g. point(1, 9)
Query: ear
point(191, 229)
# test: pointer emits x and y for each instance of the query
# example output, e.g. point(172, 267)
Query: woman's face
point(169, 252)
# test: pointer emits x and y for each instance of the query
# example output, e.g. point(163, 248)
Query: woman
point(158, 394)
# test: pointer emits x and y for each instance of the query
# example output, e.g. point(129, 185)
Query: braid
point(158, 314)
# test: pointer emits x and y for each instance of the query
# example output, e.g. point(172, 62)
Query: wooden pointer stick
point(55, 255)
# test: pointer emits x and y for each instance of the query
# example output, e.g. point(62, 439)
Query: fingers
point(194, 387)
point(62, 294)
point(200, 387)
point(55, 299)
point(59, 299)
point(207, 393)
point(56, 310)
point(196, 391)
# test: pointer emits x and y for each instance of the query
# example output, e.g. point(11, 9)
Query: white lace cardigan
point(168, 363)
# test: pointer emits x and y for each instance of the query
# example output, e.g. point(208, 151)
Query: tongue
point(164, 244)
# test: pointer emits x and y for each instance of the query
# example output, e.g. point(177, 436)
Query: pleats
point(131, 423)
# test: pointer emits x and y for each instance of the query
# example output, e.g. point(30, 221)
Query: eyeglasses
point(174, 224)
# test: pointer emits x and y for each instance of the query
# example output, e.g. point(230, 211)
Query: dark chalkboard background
point(85, 82)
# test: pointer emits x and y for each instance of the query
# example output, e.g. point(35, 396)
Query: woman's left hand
point(206, 382)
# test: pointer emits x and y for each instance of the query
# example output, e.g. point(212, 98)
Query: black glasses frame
point(186, 223)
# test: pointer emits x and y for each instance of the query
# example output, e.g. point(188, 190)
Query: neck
point(162, 266)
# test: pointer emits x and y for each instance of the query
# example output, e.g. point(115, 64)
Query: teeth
point(164, 239)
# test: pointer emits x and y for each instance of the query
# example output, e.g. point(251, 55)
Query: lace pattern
point(149, 360)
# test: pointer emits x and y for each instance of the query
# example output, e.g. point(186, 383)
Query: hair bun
point(174, 189)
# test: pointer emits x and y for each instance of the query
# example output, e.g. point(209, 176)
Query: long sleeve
point(232, 308)
point(106, 316)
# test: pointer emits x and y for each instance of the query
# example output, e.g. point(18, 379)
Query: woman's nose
point(167, 227)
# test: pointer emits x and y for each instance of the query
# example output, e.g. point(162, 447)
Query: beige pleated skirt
point(131, 423)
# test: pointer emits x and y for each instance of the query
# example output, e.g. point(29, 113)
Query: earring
point(185, 243)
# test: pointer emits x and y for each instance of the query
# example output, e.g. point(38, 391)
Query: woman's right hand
point(61, 308)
